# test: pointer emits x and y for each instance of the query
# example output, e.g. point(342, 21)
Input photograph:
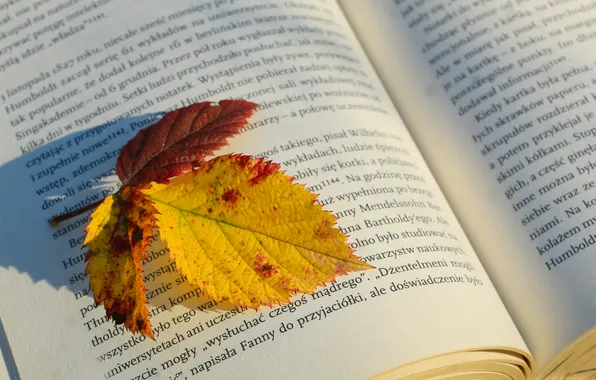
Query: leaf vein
point(347, 260)
point(215, 267)
point(255, 273)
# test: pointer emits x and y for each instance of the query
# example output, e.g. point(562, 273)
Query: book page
point(88, 75)
point(4, 370)
point(8, 368)
point(500, 97)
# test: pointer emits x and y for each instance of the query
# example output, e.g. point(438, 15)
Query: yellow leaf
point(241, 230)
point(117, 237)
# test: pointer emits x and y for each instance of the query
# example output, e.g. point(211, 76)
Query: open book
point(454, 140)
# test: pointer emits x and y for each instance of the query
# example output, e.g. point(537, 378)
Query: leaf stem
point(60, 218)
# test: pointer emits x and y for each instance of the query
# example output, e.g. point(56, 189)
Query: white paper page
point(499, 96)
point(8, 367)
point(3, 370)
point(323, 115)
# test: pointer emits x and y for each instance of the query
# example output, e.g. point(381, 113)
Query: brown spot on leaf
point(341, 268)
point(120, 245)
point(263, 268)
point(324, 230)
point(140, 324)
point(268, 270)
point(118, 318)
point(231, 196)
point(285, 282)
point(137, 235)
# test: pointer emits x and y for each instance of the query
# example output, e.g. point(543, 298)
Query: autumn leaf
point(180, 141)
point(121, 227)
point(241, 230)
point(237, 227)
point(117, 237)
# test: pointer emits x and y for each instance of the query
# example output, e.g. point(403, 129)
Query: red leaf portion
point(180, 141)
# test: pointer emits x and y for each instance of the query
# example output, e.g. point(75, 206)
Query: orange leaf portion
point(118, 235)
point(241, 230)
point(180, 141)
